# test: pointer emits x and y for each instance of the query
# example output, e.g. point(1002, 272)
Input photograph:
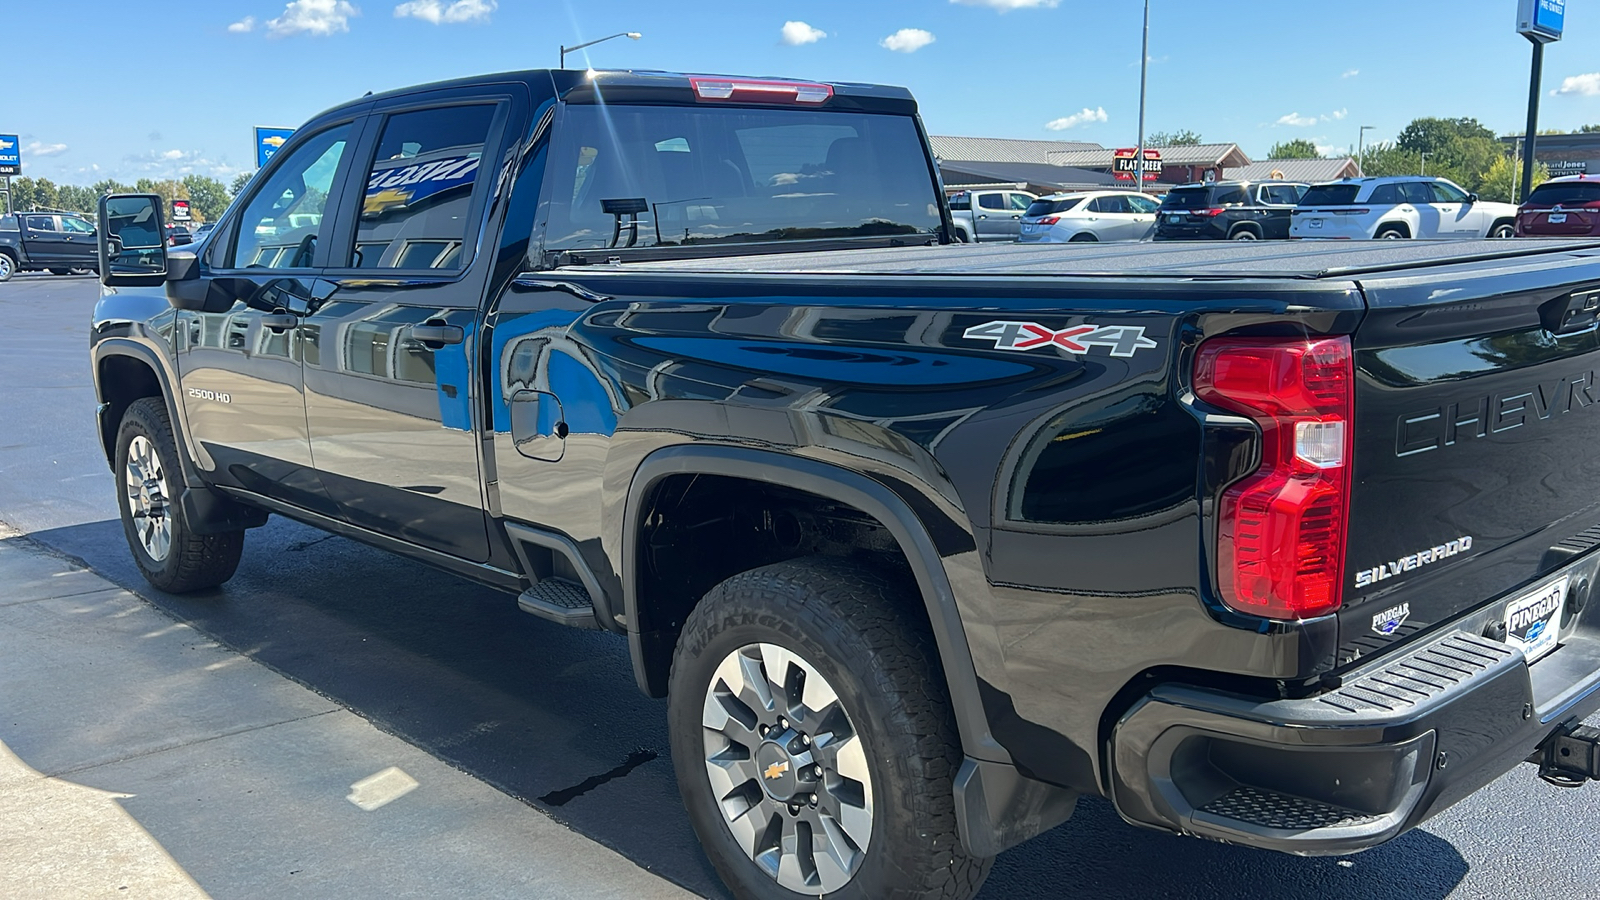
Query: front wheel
point(1391, 234)
point(169, 555)
point(813, 741)
point(8, 267)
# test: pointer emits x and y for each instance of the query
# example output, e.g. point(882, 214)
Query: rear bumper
point(1403, 739)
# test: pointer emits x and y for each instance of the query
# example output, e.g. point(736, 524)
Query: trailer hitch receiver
point(1569, 757)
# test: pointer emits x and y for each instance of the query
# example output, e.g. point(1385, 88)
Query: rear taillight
point(1214, 211)
point(760, 91)
point(1281, 529)
point(1349, 212)
point(1048, 220)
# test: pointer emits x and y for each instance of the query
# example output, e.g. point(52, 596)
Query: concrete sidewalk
point(138, 758)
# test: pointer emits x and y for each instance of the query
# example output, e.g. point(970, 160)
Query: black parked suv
point(1228, 210)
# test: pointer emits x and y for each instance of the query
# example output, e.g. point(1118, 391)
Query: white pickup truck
point(994, 215)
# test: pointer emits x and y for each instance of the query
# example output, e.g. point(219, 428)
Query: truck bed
point(1218, 260)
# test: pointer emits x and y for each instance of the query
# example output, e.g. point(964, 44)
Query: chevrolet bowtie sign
point(10, 155)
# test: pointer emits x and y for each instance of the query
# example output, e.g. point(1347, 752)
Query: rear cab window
point(627, 177)
point(8, 223)
point(1330, 195)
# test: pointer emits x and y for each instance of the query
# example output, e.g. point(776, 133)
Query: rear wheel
point(169, 555)
point(60, 271)
point(1391, 233)
point(813, 741)
point(1244, 234)
point(1083, 238)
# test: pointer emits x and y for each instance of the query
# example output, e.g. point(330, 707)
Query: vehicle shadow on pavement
point(551, 716)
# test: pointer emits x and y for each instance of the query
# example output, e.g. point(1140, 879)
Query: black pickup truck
point(39, 241)
point(1289, 547)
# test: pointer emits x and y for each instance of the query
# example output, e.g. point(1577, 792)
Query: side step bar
point(561, 601)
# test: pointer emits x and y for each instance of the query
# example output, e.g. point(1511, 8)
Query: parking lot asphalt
point(540, 719)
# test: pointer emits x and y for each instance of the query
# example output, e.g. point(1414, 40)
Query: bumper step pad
point(1267, 809)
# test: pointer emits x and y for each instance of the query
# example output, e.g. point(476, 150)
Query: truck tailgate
point(1477, 440)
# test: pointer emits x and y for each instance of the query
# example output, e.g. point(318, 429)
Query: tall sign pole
point(1144, 68)
point(1541, 22)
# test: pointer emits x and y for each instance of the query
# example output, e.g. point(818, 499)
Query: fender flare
point(866, 494)
point(121, 346)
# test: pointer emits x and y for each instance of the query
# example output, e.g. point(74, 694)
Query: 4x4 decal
point(1123, 340)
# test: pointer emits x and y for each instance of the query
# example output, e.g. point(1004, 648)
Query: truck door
point(79, 249)
point(240, 367)
point(391, 406)
point(994, 218)
point(43, 240)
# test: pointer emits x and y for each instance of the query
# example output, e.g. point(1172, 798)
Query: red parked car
point(1562, 207)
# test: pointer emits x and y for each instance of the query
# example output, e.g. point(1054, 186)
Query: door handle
point(279, 321)
point(434, 336)
point(983, 217)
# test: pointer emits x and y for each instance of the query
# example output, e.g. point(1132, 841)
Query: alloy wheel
point(787, 768)
point(145, 482)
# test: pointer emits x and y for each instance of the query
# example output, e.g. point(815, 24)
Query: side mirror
point(131, 240)
point(1472, 198)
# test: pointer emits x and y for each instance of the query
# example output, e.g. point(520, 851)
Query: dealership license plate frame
point(1550, 635)
point(1558, 218)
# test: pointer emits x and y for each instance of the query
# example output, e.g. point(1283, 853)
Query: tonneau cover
point(1199, 259)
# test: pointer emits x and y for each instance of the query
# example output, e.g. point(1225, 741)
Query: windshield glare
point(1187, 198)
point(661, 176)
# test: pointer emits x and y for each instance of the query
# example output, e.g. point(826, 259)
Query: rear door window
point(419, 189)
point(1385, 195)
point(41, 223)
point(1231, 196)
point(1280, 194)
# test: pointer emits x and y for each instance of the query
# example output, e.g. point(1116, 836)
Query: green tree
point(34, 193)
point(109, 186)
point(1462, 150)
point(1300, 148)
point(1432, 135)
point(1504, 179)
point(239, 181)
point(168, 190)
point(1589, 129)
point(208, 196)
point(1387, 158)
point(1183, 138)
point(77, 198)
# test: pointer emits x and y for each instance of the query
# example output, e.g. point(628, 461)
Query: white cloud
point(797, 33)
point(1098, 114)
point(1297, 120)
point(1583, 85)
point(39, 148)
point(1329, 150)
point(439, 12)
point(1350, 73)
point(1336, 116)
point(248, 23)
point(907, 40)
point(173, 164)
point(1009, 5)
point(320, 18)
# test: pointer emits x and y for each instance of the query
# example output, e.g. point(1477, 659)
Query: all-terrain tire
point(864, 631)
point(192, 561)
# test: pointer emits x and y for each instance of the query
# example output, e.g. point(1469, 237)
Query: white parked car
point(1406, 206)
point(1089, 216)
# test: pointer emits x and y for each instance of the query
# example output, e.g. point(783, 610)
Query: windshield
point(664, 176)
point(1187, 198)
point(1330, 195)
point(1569, 193)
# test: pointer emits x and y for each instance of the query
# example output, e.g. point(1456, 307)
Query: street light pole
point(632, 35)
point(1424, 164)
point(1361, 150)
point(1144, 69)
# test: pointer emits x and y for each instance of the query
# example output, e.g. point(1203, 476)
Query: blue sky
point(1250, 71)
